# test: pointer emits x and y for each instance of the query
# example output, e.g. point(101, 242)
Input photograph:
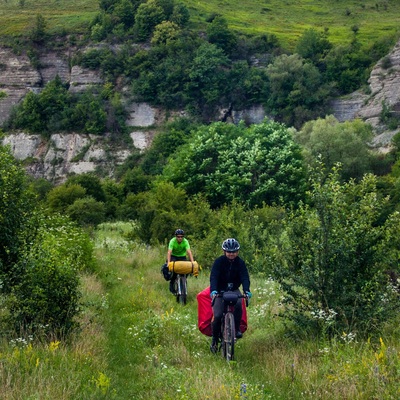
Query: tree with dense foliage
point(334, 258)
point(90, 182)
point(38, 32)
point(180, 15)
point(330, 141)
point(247, 85)
point(157, 77)
point(297, 92)
point(348, 67)
point(149, 14)
point(313, 46)
point(165, 32)
point(87, 211)
point(255, 164)
point(43, 112)
point(55, 109)
point(124, 11)
point(40, 258)
point(219, 34)
point(156, 211)
point(208, 81)
point(62, 196)
point(173, 135)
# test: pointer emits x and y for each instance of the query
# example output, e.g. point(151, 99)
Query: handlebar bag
point(230, 298)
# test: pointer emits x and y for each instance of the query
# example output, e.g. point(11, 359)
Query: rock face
point(17, 76)
point(65, 154)
point(70, 153)
point(384, 85)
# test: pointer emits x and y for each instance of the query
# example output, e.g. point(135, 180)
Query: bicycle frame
point(228, 329)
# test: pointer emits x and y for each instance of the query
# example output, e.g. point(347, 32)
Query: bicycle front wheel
point(182, 289)
point(228, 345)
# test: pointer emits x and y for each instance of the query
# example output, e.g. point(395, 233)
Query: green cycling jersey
point(178, 249)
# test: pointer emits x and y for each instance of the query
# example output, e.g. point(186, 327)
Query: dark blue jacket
point(225, 271)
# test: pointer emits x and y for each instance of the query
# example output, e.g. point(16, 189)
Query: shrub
point(87, 211)
point(46, 299)
point(16, 205)
point(334, 258)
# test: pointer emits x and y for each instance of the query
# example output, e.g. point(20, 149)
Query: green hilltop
point(287, 20)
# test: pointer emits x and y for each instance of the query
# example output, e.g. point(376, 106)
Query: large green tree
point(208, 80)
point(313, 45)
point(255, 164)
point(330, 141)
point(297, 92)
point(148, 16)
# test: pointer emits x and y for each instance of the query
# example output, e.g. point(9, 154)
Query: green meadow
point(137, 343)
point(286, 19)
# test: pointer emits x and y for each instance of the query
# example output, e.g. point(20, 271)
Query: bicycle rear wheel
point(228, 344)
point(181, 295)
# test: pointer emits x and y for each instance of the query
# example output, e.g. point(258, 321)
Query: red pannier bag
point(205, 313)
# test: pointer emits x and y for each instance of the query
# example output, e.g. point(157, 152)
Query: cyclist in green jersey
point(178, 249)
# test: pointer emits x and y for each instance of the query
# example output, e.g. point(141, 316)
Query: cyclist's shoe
point(214, 346)
point(239, 335)
point(172, 287)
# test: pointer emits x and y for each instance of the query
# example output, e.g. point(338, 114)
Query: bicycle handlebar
point(240, 296)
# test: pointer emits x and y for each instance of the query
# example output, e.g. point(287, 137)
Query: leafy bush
point(55, 109)
point(333, 258)
point(87, 211)
point(347, 66)
point(62, 196)
point(46, 299)
point(165, 143)
point(16, 209)
point(254, 229)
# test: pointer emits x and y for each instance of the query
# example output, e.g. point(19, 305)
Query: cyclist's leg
point(173, 278)
point(216, 323)
point(172, 283)
point(238, 316)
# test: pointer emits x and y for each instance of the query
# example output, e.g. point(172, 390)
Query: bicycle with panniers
point(227, 338)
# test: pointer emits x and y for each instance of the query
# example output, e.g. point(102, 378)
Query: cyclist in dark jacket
point(231, 270)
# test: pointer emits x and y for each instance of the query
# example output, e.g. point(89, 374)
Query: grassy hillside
point(16, 16)
point(286, 19)
point(138, 343)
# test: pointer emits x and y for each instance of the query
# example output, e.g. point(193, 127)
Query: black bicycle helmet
point(230, 245)
point(179, 232)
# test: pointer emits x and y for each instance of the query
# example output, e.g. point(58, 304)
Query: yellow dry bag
point(184, 267)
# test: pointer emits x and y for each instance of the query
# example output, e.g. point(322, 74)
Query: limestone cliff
point(70, 153)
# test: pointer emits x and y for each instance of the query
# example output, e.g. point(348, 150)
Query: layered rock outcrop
point(70, 153)
point(384, 88)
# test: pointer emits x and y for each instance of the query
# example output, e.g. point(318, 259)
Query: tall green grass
point(285, 19)
point(18, 16)
point(288, 19)
point(137, 343)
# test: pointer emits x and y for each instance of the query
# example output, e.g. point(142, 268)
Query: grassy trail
point(137, 343)
point(155, 350)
